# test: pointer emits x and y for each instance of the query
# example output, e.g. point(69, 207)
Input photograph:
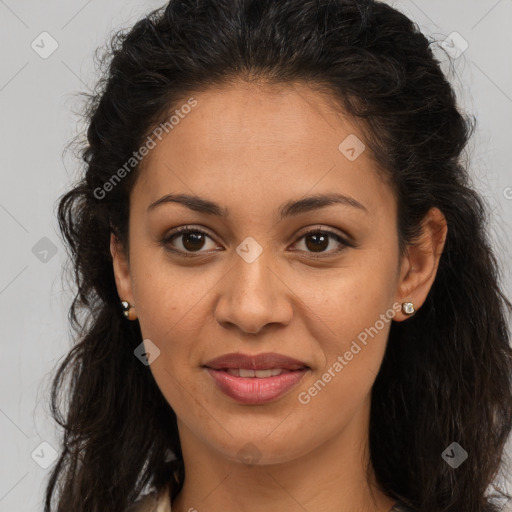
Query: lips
point(256, 379)
point(258, 374)
point(264, 361)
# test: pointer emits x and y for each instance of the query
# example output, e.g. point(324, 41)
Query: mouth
point(260, 362)
point(259, 374)
point(255, 389)
point(256, 379)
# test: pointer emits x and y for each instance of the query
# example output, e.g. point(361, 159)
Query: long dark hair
point(446, 373)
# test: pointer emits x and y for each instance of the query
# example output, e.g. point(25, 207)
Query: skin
point(251, 148)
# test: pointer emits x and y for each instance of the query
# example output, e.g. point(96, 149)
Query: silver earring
point(127, 310)
point(408, 308)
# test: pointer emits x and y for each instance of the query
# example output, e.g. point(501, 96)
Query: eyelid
point(343, 240)
point(319, 228)
point(167, 238)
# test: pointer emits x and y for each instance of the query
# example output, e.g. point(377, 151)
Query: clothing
point(154, 502)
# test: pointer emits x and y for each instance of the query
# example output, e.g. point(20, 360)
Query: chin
point(250, 450)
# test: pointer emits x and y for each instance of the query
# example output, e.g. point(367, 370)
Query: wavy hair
point(446, 373)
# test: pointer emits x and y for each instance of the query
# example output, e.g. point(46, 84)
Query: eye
point(192, 240)
point(317, 240)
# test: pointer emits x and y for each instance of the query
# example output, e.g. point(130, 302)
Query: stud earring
point(128, 310)
point(408, 308)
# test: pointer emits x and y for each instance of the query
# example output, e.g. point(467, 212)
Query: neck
point(333, 477)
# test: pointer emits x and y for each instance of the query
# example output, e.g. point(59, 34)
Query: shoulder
point(152, 502)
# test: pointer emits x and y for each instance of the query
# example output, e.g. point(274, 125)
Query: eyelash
point(190, 229)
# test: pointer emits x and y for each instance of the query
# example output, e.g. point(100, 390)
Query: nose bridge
point(253, 280)
point(252, 295)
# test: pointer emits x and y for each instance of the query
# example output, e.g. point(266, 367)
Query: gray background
point(38, 101)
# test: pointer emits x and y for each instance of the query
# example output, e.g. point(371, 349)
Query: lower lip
point(253, 390)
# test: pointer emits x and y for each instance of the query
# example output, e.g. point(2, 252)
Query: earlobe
point(121, 270)
point(421, 262)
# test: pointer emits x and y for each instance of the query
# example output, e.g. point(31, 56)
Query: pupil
point(323, 244)
point(189, 239)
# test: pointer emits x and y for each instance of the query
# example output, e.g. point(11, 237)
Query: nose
point(252, 296)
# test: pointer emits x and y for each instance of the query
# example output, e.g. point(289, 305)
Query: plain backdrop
point(46, 53)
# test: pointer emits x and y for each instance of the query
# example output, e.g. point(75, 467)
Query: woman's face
point(254, 281)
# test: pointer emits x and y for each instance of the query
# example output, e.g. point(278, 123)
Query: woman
point(288, 293)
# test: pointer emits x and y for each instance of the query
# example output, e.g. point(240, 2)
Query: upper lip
point(264, 361)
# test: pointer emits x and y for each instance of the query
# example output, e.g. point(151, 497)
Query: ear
point(121, 270)
point(421, 261)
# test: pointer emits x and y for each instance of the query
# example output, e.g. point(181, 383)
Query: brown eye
point(189, 241)
point(192, 241)
point(317, 241)
point(186, 241)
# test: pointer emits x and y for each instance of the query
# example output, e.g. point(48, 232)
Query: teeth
point(260, 374)
point(263, 373)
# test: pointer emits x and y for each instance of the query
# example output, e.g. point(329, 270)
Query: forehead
point(242, 115)
point(261, 141)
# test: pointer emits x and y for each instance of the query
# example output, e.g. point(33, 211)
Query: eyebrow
point(289, 209)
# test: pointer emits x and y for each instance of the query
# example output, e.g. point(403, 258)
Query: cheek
point(170, 299)
point(350, 320)
point(338, 388)
point(351, 297)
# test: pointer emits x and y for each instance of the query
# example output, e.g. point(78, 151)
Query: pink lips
point(256, 390)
